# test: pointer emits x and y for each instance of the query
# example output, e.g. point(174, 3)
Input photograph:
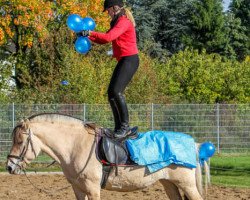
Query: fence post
point(152, 116)
point(218, 126)
point(13, 115)
point(84, 112)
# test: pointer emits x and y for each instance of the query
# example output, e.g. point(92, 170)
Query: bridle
point(21, 157)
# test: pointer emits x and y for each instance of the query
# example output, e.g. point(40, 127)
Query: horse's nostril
point(9, 169)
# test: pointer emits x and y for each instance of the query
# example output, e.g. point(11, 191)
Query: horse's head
point(22, 151)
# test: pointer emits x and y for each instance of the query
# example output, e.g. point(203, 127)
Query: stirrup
point(130, 134)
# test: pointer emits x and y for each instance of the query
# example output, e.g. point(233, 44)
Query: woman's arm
point(121, 26)
point(96, 40)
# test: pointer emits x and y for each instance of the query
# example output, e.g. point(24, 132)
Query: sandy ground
point(18, 187)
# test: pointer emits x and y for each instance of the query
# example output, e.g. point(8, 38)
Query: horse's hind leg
point(171, 190)
point(79, 194)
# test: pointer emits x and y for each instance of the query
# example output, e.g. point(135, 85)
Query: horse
point(71, 143)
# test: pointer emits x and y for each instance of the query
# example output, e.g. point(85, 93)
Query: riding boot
point(115, 114)
point(122, 109)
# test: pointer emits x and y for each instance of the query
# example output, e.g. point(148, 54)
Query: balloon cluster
point(206, 150)
point(79, 24)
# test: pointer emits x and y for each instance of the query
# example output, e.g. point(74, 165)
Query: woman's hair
point(123, 11)
point(130, 16)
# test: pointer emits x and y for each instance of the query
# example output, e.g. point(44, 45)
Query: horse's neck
point(61, 141)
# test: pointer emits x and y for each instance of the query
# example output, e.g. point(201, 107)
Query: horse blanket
point(158, 149)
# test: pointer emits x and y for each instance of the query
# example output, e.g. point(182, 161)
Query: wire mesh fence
point(226, 125)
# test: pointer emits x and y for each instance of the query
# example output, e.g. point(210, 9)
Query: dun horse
point(70, 142)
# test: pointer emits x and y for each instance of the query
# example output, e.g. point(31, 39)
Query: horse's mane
point(52, 117)
point(60, 118)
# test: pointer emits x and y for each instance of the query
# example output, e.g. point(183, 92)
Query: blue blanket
point(158, 149)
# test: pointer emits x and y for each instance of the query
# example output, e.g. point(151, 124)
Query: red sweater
point(123, 38)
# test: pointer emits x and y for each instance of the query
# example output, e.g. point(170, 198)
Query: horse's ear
point(25, 123)
point(20, 123)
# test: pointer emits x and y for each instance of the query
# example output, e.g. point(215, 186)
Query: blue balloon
point(75, 23)
point(64, 82)
point(88, 24)
point(206, 150)
point(82, 45)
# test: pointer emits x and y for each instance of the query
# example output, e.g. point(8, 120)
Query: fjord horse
point(70, 142)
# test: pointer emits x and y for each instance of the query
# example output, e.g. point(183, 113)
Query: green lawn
point(231, 170)
point(40, 164)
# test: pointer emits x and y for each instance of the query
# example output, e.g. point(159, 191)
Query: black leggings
point(122, 75)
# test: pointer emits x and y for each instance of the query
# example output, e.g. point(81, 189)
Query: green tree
point(6, 82)
point(237, 46)
point(146, 26)
point(241, 9)
point(160, 25)
point(206, 26)
point(193, 77)
point(172, 23)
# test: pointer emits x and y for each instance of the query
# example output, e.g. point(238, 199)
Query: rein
point(90, 153)
point(41, 189)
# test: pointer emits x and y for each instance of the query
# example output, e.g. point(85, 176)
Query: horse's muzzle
point(9, 169)
point(13, 168)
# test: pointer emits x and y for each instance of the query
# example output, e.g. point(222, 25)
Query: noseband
point(20, 158)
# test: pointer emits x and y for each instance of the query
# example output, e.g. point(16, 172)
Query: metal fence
point(226, 125)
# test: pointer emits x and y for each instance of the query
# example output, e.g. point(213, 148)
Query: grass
point(40, 164)
point(231, 170)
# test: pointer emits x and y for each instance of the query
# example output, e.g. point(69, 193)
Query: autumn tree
point(30, 31)
point(23, 20)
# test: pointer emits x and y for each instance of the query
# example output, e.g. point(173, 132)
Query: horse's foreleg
point(191, 192)
point(93, 190)
point(79, 194)
point(171, 190)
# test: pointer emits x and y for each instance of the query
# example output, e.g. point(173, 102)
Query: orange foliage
point(31, 17)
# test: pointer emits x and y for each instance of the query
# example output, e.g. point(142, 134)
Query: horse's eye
point(19, 143)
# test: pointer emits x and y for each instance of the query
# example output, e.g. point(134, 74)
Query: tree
point(160, 25)
point(23, 20)
point(172, 24)
point(29, 32)
point(193, 77)
point(237, 46)
point(146, 26)
point(6, 83)
point(206, 26)
point(240, 9)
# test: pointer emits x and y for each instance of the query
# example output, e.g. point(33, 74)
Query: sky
point(226, 4)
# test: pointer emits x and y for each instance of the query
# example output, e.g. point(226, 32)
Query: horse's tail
point(198, 174)
point(207, 177)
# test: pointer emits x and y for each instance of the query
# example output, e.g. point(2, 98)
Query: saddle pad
point(158, 149)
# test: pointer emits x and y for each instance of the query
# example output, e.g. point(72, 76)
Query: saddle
point(112, 152)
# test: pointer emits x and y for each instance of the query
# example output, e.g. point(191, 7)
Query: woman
point(123, 37)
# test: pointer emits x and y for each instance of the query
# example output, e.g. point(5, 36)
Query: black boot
point(115, 114)
point(122, 109)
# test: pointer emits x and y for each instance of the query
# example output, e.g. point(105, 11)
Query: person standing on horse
point(122, 34)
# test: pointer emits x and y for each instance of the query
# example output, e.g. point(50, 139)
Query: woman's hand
point(85, 33)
